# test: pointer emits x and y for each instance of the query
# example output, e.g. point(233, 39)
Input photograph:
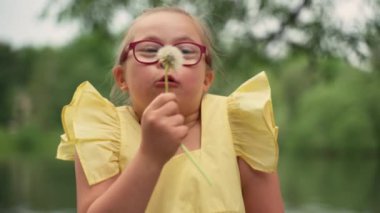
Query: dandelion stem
point(183, 147)
point(186, 151)
point(166, 77)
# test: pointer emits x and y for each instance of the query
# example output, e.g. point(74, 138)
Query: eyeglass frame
point(132, 45)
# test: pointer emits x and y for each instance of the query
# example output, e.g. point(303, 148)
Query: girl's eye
point(149, 49)
point(187, 51)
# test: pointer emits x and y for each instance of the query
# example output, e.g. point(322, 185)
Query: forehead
point(166, 26)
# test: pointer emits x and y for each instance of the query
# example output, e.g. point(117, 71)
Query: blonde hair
point(206, 37)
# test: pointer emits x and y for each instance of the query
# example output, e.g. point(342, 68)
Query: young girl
point(127, 159)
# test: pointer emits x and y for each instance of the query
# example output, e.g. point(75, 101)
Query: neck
point(192, 119)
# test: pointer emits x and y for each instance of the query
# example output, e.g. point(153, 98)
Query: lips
point(172, 82)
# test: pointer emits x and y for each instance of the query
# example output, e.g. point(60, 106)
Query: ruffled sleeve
point(253, 129)
point(92, 130)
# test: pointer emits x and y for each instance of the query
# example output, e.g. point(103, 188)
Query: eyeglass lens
point(146, 52)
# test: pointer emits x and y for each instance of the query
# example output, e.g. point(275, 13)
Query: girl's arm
point(128, 192)
point(162, 131)
point(261, 191)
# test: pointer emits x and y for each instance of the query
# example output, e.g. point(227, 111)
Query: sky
point(20, 24)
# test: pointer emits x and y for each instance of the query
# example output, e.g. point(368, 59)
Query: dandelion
point(171, 57)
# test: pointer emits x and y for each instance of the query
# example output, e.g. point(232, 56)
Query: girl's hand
point(162, 128)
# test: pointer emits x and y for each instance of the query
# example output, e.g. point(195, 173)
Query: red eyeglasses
point(145, 52)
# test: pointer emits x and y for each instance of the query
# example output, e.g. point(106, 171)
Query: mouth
point(172, 82)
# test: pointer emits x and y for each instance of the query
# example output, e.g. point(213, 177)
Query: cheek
point(136, 73)
point(197, 74)
point(195, 79)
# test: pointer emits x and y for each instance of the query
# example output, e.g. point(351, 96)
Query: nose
point(159, 65)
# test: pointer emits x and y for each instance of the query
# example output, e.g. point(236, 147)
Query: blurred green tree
point(305, 25)
point(320, 99)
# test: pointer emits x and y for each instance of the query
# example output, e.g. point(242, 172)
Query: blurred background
point(322, 58)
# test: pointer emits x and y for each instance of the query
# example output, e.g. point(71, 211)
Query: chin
point(187, 108)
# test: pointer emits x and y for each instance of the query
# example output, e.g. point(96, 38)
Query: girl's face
point(144, 82)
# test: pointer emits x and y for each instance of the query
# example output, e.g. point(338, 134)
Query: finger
point(162, 99)
point(175, 120)
point(181, 131)
point(168, 109)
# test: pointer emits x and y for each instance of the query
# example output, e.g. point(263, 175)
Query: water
point(308, 185)
point(326, 184)
point(37, 185)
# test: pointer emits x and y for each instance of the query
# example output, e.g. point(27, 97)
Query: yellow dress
point(107, 137)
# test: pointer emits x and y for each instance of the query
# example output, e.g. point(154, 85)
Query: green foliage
point(15, 73)
point(321, 102)
point(323, 32)
point(29, 140)
point(87, 58)
point(336, 115)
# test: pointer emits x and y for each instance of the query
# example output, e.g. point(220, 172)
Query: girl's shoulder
point(92, 131)
point(251, 120)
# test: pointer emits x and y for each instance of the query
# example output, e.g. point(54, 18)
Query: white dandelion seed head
point(170, 56)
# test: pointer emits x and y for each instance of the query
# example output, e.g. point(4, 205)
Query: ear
point(118, 74)
point(209, 78)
